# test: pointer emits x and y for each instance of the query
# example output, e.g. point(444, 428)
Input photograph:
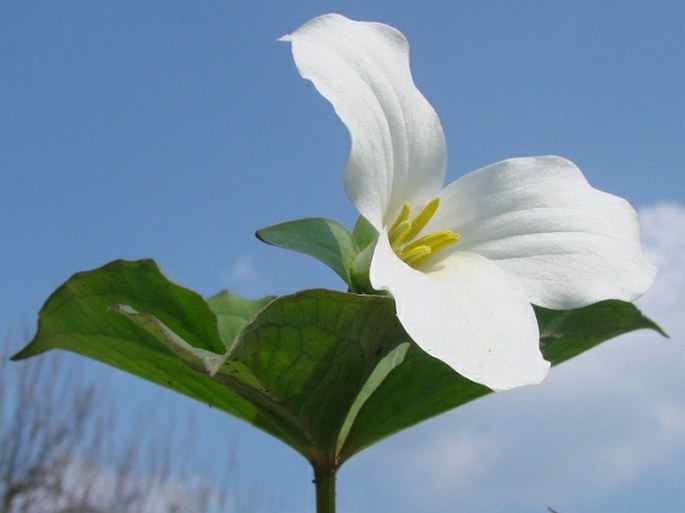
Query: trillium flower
point(464, 263)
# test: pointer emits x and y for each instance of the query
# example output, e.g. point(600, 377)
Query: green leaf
point(328, 373)
point(567, 333)
point(422, 387)
point(85, 316)
point(325, 240)
point(198, 359)
point(292, 366)
point(382, 370)
point(418, 389)
point(314, 351)
point(234, 312)
point(80, 308)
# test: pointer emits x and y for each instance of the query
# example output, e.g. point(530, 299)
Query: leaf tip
point(28, 351)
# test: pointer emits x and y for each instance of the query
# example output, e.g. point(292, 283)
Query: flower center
point(403, 232)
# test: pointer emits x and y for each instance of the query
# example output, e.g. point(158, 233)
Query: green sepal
point(323, 239)
point(363, 233)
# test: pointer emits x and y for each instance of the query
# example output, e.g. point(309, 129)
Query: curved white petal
point(466, 312)
point(398, 149)
point(568, 244)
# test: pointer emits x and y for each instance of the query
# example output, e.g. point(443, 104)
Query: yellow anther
point(432, 240)
point(420, 252)
point(416, 262)
point(436, 246)
point(399, 233)
point(446, 242)
point(405, 212)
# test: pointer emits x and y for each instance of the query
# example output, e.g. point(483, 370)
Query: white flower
point(464, 262)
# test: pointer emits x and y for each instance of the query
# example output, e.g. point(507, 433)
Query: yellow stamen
point(403, 231)
point(436, 248)
point(432, 240)
point(424, 216)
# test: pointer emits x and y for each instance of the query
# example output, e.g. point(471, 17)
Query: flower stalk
point(324, 481)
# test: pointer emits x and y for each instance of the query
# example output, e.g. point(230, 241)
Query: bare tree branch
point(53, 436)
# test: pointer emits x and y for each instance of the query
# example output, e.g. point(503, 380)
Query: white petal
point(398, 147)
point(468, 313)
point(568, 244)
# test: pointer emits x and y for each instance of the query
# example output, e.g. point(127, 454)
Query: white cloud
point(663, 227)
point(641, 446)
point(451, 460)
point(242, 273)
point(593, 434)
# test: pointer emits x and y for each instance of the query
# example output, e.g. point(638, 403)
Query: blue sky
point(174, 130)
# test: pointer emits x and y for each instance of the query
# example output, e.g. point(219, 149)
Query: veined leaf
point(329, 373)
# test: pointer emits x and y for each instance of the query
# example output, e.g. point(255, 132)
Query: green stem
point(324, 480)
